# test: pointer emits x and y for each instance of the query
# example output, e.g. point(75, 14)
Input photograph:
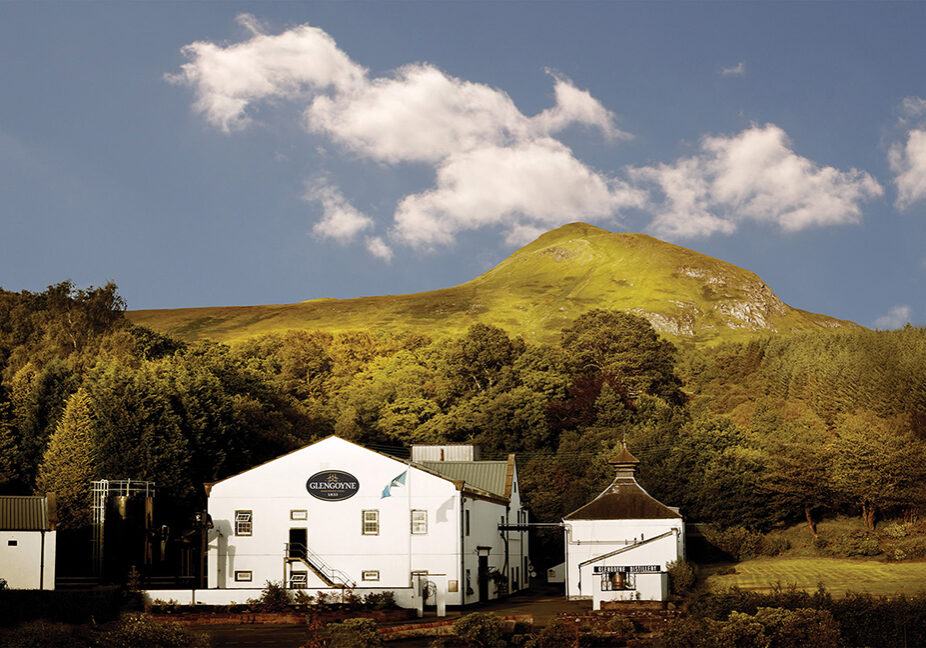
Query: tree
point(876, 465)
point(70, 462)
point(626, 347)
point(797, 470)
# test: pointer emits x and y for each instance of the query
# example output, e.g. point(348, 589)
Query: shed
point(28, 541)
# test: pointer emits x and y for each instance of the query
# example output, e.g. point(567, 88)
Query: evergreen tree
point(70, 462)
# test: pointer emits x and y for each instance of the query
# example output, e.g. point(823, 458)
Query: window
point(419, 522)
point(617, 581)
point(370, 522)
point(514, 487)
point(466, 523)
point(12, 543)
point(370, 575)
point(298, 514)
point(298, 579)
point(243, 576)
point(243, 523)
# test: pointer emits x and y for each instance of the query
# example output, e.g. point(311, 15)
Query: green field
point(837, 575)
point(541, 288)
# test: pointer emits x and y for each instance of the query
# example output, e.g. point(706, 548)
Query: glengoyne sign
point(332, 485)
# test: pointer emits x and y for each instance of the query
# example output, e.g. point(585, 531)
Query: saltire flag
point(398, 481)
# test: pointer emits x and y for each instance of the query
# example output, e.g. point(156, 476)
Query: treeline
point(757, 434)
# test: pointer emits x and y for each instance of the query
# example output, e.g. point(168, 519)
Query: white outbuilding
point(27, 541)
point(619, 545)
point(335, 515)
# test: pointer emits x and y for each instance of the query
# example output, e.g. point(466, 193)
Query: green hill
point(687, 296)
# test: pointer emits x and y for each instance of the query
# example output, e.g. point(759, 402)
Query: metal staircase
point(298, 553)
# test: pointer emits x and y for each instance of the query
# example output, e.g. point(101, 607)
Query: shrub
point(135, 630)
point(897, 530)
point(274, 598)
point(561, 633)
point(43, 634)
point(354, 633)
point(479, 630)
point(621, 626)
point(799, 628)
point(738, 542)
point(681, 577)
point(774, 545)
point(379, 600)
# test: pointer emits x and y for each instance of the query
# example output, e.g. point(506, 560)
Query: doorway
point(483, 578)
point(298, 544)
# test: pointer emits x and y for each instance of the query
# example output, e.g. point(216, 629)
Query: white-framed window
point(370, 522)
point(12, 543)
point(617, 581)
point(244, 576)
point(369, 575)
point(298, 579)
point(419, 521)
point(298, 514)
point(243, 523)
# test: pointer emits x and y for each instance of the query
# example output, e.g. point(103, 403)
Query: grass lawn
point(838, 575)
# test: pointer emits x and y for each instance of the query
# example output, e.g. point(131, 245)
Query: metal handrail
point(316, 561)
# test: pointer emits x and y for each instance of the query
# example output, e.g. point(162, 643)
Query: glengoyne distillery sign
point(332, 485)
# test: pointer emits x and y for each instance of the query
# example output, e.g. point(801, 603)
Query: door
point(298, 543)
point(483, 578)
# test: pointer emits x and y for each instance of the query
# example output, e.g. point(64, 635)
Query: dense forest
point(774, 431)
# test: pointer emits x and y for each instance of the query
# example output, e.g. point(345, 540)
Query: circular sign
point(332, 485)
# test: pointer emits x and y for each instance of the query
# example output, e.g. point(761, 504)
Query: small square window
point(12, 543)
point(370, 575)
point(243, 523)
point(419, 522)
point(370, 524)
point(243, 576)
point(298, 580)
point(298, 514)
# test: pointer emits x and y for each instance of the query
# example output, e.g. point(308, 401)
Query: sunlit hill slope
point(687, 296)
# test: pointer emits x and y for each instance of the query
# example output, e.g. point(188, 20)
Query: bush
point(561, 633)
point(767, 628)
point(354, 633)
point(774, 545)
point(738, 542)
point(135, 630)
point(379, 601)
point(43, 634)
point(274, 598)
point(479, 630)
point(681, 577)
point(621, 626)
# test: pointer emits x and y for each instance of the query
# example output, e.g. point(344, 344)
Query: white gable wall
point(334, 528)
point(588, 539)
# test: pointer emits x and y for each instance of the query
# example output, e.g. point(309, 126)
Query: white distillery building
point(27, 541)
point(336, 515)
point(619, 544)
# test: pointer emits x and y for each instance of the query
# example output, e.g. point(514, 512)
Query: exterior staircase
point(297, 553)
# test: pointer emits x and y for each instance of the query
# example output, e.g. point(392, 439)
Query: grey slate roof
point(489, 476)
point(26, 513)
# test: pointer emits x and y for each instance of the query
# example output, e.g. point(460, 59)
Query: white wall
point(648, 587)
point(404, 598)
point(21, 564)
point(587, 539)
point(274, 489)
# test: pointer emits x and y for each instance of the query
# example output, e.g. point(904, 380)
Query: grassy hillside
point(689, 297)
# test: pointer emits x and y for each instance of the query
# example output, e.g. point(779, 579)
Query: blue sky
point(204, 154)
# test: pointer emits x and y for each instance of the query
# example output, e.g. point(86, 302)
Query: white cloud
point(494, 165)
point(913, 107)
point(340, 220)
point(753, 175)
point(228, 80)
point(895, 318)
point(378, 248)
point(908, 162)
point(737, 70)
point(535, 183)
